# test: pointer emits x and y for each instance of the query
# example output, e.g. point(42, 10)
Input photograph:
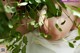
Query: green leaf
point(10, 25)
point(71, 45)
point(33, 13)
point(1, 7)
point(46, 36)
point(43, 35)
point(78, 8)
point(74, 41)
point(1, 41)
point(77, 38)
point(23, 49)
point(32, 1)
point(25, 40)
point(26, 0)
point(59, 12)
point(16, 50)
point(59, 29)
point(79, 29)
point(57, 26)
point(38, 1)
point(18, 36)
point(9, 9)
point(51, 7)
point(1, 29)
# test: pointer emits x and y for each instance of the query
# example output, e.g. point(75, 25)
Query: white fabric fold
point(37, 44)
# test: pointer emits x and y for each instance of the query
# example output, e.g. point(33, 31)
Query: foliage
point(24, 9)
point(71, 45)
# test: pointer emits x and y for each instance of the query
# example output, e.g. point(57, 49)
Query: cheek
point(50, 29)
point(45, 26)
point(53, 31)
point(22, 29)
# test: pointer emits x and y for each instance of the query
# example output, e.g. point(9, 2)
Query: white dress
point(37, 44)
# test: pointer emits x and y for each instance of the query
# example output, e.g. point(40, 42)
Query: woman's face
point(50, 23)
point(51, 29)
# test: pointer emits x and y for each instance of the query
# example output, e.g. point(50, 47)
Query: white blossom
point(38, 1)
point(42, 15)
point(22, 4)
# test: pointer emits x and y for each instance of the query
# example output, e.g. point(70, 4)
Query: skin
point(23, 27)
point(50, 28)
